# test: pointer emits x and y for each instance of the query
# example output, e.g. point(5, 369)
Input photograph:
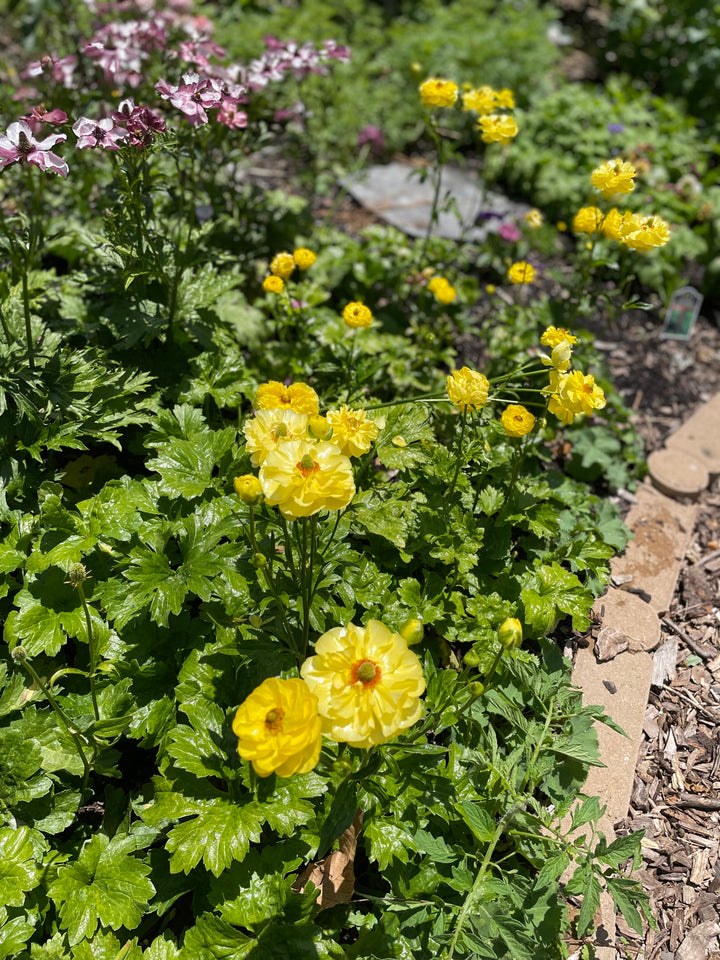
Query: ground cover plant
point(281, 572)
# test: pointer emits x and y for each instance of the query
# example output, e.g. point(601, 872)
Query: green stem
point(62, 718)
point(472, 897)
point(288, 547)
point(458, 453)
point(93, 650)
point(437, 181)
point(272, 586)
point(28, 324)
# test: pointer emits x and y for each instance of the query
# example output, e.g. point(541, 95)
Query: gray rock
point(395, 193)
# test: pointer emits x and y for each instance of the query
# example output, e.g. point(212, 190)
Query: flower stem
point(93, 650)
point(28, 323)
point(458, 453)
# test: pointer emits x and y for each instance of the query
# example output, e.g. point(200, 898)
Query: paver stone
point(700, 436)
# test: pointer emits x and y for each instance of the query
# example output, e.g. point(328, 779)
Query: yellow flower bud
point(248, 488)
point(510, 633)
point(476, 688)
point(412, 631)
point(319, 428)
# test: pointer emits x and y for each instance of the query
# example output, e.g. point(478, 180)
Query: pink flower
point(19, 145)
point(39, 115)
point(61, 70)
point(231, 116)
point(509, 231)
point(372, 136)
point(98, 133)
point(192, 96)
point(142, 123)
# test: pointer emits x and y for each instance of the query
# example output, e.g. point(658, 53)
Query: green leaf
point(214, 939)
point(400, 442)
point(387, 518)
point(587, 812)
point(550, 591)
point(14, 934)
point(339, 817)
point(20, 765)
point(187, 464)
point(479, 820)
point(553, 868)
point(434, 847)
point(18, 872)
point(625, 893)
point(106, 885)
point(387, 842)
point(151, 583)
point(621, 849)
point(590, 903)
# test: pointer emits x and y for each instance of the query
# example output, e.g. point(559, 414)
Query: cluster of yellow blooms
point(468, 390)
point(634, 230)
point(362, 687)
point(282, 266)
point(304, 458)
point(496, 127)
point(444, 292)
point(570, 393)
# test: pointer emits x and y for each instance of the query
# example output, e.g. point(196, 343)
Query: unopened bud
point(342, 767)
point(510, 633)
point(248, 488)
point(319, 428)
point(476, 688)
point(471, 658)
point(412, 631)
point(259, 560)
point(19, 654)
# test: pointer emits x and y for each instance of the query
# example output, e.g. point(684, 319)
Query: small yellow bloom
point(483, 100)
point(282, 265)
point(468, 389)
point(497, 128)
point(444, 292)
point(399, 441)
point(614, 176)
point(273, 284)
point(521, 272)
point(357, 315)
point(436, 92)
point(560, 356)
point(645, 233)
point(352, 430)
point(612, 223)
point(248, 488)
point(303, 478)
point(368, 684)
point(587, 220)
point(580, 394)
point(505, 98)
point(274, 395)
point(490, 288)
point(304, 258)
point(517, 420)
point(279, 729)
point(561, 225)
point(534, 219)
point(269, 428)
point(552, 336)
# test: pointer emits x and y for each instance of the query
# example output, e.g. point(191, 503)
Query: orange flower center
point(367, 672)
point(307, 465)
point(352, 423)
point(273, 720)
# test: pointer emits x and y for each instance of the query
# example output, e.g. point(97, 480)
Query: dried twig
point(694, 646)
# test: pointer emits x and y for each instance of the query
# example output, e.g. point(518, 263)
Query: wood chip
point(700, 866)
point(664, 662)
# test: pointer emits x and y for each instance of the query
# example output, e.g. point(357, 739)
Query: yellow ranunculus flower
point(248, 488)
point(352, 430)
point(534, 219)
point(437, 92)
point(580, 394)
point(304, 258)
point(319, 428)
point(560, 356)
point(357, 314)
point(282, 265)
point(614, 176)
point(273, 284)
point(269, 428)
point(612, 224)
point(303, 478)
point(274, 395)
point(552, 336)
point(497, 128)
point(278, 728)
point(483, 100)
point(587, 220)
point(368, 684)
point(468, 389)
point(505, 98)
point(444, 292)
point(644, 233)
point(517, 420)
point(521, 272)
